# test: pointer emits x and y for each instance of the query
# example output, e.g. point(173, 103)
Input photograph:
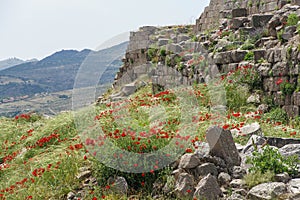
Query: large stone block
point(208, 188)
point(222, 145)
point(239, 12)
point(291, 110)
point(260, 21)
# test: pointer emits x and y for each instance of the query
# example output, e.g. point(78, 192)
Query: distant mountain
point(4, 64)
point(58, 71)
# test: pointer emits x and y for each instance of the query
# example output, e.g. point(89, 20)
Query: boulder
point(293, 186)
point(248, 130)
point(222, 145)
point(290, 149)
point(119, 185)
point(162, 42)
point(208, 188)
point(239, 12)
point(184, 185)
point(288, 32)
point(224, 178)
point(237, 183)
point(235, 196)
point(175, 48)
point(205, 169)
point(238, 172)
point(129, 89)
point(284, 177)
point(260, 20)
point(182, 38)
point(189, 161)
point(267, 191)
point(254, 98)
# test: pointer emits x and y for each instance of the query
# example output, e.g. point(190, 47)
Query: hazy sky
point(38, 28)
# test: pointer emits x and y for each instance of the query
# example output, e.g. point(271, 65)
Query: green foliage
point(292, 19)
point(256, 178)
point(247, 46)
point(279, 35)
point(298, 29)
point(236, 96)
point(287, 88)
point(249, 56)
point(276, 115)
point(152, 54)
point(269, 159)
point(163, 52)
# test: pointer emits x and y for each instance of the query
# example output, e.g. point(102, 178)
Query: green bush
point(287, 88)
point(298, 29)
point(163, 52)
point(269, 159)
point(277, 115)
point(247, 46)
point(256, 178)
point(249, 56)
point(292, 19)
point(279, 35)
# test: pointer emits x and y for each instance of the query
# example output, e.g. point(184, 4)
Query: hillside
point(4, 64)
point(56, 72)
point(192, 114)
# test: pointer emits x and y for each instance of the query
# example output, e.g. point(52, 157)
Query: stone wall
point(218, 10)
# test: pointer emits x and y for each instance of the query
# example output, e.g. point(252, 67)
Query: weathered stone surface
point(205, 169)
point(267, 191)
point(175, 48)
point(129, 89)
point(184, 185)
point(291, 110)
point(290, 149)
point(281, 142)
point(236, 23)
point(181, 38)
point(248, 130)
point(239, 12)
point(162, 42)
point(238, 56)
point(83, 175)
point(224, 178)
point(293, 186)
point(259, 21)
point(235, 196)
point(237, 183)
point(259, 54)
point(238, 172)
point(189, 161)
point(256, 140)
point(254, 98)
point(223, 58)
point(289, 32)
point(208, 188)
point(222, 145)
point(284, 177)
point(119, 185)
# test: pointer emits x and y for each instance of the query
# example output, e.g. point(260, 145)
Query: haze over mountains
point(10, 62)
point(56, 73)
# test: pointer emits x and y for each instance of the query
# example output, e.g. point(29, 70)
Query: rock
point(272, 24)
point(224, 178)
point(254, 98)
point(238, 172)
point(175, 48)
point(291, 110)
point(238, 55)
point(284, 177)
point(236, 23)
point(70, 196)
point(184, 185)
point(293, 186)
point(83, 175)
point(205, 169)
point(260, 20)
point(239, 12)
point(267, 191)
point(208, 188)
point(254, 139)
point(223, 58)
point(288, 32)
point(263, 108)
point(129, 89)
point(237, 183)
point(290, 150)
point(162, 42)
point(202, 149)
point(182, 38)
point(222, 145)
point(259, 54)
point(281, 142)
point(235, 196)
point(119, 185)
point(248, 130)
point(189, 161)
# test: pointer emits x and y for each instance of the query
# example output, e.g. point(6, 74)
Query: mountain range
point(4, 64)
point(58, 71)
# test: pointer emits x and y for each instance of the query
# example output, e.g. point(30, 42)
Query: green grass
point(43, 156)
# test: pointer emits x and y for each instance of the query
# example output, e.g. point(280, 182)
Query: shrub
point(292, 19)
point(255, 178)
point(163, 52)
point(247, 46)
point(287, 88)
point(277, 115)
point(269, 159)
point(249, 56)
